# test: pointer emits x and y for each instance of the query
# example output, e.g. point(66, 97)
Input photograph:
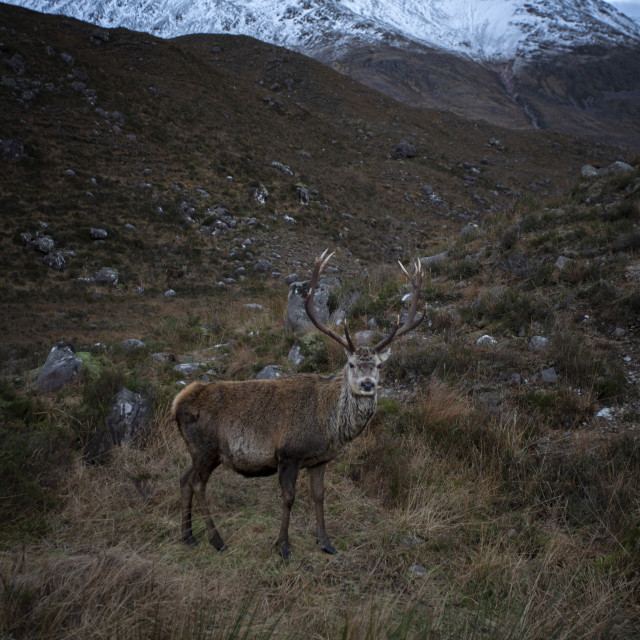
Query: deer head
point(364, 363)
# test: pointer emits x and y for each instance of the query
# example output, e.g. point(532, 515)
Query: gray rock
point(291, 278)
point(283, 168)
point(538, 344)
point(187, 368)
point(295, 355)
point(617, 168)
point(515, 380)
point(405, 149)
point(131, 344)
point(418, 570)
point(163, 358)
point(262, 265)
point(55, 260)
point(486, 341)
point(106, 276)
point(468, 229)
point(170, 293)
point(303, 195)
point(438, 257)
point(98, 234)
point(297, 319)
point(128, 421)
point(588, 171)
point(41, 243)
point(61, 368)
point(270, 372)
point(549, 375)
point(260, 194)
point(253, 306)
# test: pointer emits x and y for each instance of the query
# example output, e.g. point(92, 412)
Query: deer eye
point(379, 365)
point(352, 366)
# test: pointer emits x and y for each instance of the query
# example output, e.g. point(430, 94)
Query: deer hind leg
point(186, 492)
point(316, 481)
point(287, 474)
point(195, 481)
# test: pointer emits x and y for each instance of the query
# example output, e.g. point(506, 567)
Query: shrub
point(31, 449)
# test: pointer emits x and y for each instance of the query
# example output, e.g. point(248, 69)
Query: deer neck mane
point(353, 411)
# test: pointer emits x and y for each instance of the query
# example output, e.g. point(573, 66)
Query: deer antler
point(318, 267)
point(410, 323)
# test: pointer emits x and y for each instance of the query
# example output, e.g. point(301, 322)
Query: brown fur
point(262, 427)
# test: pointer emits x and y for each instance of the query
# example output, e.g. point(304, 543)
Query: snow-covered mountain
point(484, 30)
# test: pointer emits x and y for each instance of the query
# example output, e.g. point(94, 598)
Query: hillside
point(560, 65)
point(494, 494)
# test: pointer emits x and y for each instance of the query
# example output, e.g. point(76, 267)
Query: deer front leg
point(316, 480)
point(287, 474)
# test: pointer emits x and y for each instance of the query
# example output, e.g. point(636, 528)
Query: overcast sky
point(630, 8)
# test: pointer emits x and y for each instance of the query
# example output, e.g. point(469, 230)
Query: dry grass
point(112, 555)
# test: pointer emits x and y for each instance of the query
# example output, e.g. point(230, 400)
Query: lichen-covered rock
point(61, 368)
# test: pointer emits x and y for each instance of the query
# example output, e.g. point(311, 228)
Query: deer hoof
point(327, 547)
point(217, 542)
point(190, 541)
point(285, 550)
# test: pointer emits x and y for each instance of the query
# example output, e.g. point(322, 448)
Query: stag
point(263, 427)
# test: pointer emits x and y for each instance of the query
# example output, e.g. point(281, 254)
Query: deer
point(264, 427)
point(173, 273)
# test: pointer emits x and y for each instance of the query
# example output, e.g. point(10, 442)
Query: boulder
point(106, 276)
point(128, 421)
point(270, 372)
point(405, 149)
point(295, 355)
point(617, 168)
point(589, 171)
point(262, 265)
point(297, 319)
point(61, 368)
point(260, 194)
point(98, 234)
point(55, 260)
point(438, 257)
point(538, 344)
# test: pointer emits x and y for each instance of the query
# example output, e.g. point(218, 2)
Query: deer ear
point(383, 355)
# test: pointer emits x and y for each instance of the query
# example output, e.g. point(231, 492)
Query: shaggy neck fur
point(352, 413)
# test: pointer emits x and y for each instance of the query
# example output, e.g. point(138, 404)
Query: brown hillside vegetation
point(487, 499)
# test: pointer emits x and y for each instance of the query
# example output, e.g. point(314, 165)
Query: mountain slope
point(485, 30)
point(558, 64)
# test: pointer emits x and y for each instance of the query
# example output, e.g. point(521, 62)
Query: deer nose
point(367, 385)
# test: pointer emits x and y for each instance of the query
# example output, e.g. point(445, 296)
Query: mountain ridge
point(484, 31)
